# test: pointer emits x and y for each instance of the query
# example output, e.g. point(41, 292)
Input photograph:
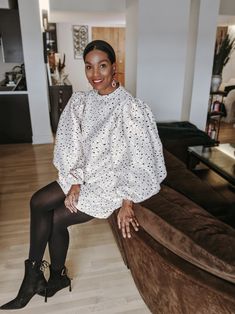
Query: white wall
point(35, 70)
point(190, 58)
point(132, 12)
point(73, 67)
point(174, 57)
point(203, 63)
point(162, 45)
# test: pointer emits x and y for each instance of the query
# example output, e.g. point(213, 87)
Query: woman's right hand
point(126, 218)
point(72, 198)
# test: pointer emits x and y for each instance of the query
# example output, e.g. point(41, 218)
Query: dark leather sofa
point(183, 257)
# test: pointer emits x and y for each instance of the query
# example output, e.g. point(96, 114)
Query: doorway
point(115, 36)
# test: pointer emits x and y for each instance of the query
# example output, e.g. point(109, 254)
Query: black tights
point(49, 222)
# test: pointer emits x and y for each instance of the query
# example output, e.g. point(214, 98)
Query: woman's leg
point(42, 206)
point(59, 238)
point(49, 222)
point(43, 203)
point(58, 247)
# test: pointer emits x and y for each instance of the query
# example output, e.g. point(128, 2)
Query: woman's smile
point(97, 81)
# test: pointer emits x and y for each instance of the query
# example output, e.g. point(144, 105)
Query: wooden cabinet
point(10, 34)
point(59, 96)
point(15, 123)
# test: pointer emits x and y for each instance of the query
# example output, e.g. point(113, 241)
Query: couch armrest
point(187, 230)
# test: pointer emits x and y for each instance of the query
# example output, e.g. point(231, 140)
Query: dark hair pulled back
point(103, 46)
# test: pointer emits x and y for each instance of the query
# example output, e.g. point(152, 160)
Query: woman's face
point(99, 71)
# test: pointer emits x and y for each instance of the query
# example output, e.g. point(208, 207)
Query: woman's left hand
point(126, 218)
point(72, 198)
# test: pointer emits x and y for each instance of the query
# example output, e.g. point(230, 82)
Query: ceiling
point(89, 12)
point(112, 12)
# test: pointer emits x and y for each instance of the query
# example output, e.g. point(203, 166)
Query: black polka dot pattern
point(110, 145)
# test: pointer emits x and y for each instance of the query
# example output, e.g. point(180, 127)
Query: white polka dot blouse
point(110, 145)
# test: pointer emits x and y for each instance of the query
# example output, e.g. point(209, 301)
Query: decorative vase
point(215, 82)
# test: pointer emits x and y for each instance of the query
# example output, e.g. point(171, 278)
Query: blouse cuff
point(124, 194)
point(75, 178)
point(137, 196)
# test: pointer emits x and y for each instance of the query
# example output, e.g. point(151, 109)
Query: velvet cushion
point(187, 183)
point(189, 231)
point(182, 130)
point(177, 136)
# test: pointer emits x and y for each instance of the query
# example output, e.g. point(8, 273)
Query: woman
point(108, 155)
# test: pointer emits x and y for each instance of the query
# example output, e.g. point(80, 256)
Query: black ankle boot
point(58, 280)
point(34, 282)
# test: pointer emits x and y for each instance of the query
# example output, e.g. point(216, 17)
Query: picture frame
point(80, 39)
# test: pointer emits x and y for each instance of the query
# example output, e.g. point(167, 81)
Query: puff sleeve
point(137, 159)
point(68, 151)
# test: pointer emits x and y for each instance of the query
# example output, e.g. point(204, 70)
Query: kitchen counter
point(19, 92)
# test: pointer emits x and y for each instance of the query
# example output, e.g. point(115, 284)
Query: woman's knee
point(34, 201)
point(47, 198)
point(38, 201)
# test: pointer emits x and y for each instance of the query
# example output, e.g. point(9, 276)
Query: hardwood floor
point(101, 282)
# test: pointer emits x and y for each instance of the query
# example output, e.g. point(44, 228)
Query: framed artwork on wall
point(80, 40)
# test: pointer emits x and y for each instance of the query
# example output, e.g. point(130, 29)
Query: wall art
point(80, 40)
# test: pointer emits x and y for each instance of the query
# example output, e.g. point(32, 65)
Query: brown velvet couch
point(183, 257)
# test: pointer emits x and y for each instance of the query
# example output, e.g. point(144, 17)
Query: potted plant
point(223, 51)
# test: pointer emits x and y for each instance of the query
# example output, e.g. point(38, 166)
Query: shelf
point(215, 114)
point(219, 92)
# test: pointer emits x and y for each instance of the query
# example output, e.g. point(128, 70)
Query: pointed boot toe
point(17, 303)
point(33, 283)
